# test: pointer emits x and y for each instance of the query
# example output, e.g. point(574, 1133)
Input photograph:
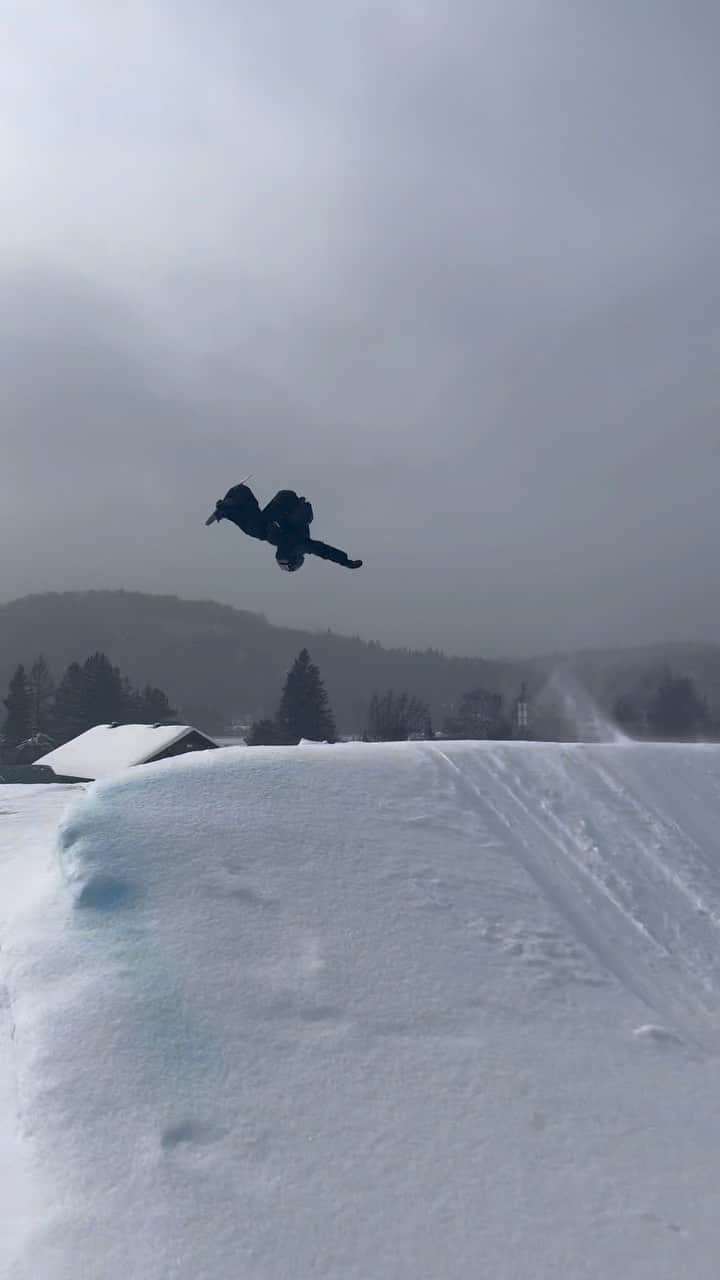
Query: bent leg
point(281, 506)
point(242, 507)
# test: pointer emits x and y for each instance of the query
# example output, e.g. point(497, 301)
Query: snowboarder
point(284, 523)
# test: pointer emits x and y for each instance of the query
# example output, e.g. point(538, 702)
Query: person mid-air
point(284, 523)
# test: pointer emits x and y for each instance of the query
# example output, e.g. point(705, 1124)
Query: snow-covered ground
point(364, 1012)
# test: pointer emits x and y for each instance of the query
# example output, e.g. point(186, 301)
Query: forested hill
point(217, 663)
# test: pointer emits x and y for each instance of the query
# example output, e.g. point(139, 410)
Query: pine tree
point(71, 714)
point(105, 693)
point(479, 714)
point(17, 727)
point(153, 707)
point(676, 710)
point(304, 711)
point(263, 733)
point(42, 692)
point(96, 693)
point(393, 717)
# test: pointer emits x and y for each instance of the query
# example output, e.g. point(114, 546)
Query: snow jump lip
point(361, 996)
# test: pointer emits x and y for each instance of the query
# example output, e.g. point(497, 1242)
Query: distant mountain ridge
point(219, 664)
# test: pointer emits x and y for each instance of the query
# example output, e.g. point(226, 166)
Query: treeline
point(304, 712)
point(657, 705)
point(478, 713)
point(40, 715)
point(666, 706)
point(662, 705)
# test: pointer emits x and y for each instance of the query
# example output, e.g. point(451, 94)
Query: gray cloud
point(450, 272)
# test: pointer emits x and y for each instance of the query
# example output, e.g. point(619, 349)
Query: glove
point(354, 564)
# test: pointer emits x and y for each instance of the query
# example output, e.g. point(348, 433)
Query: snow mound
point(365, 1011)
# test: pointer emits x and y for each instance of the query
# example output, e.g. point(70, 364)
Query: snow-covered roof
point(107, 749)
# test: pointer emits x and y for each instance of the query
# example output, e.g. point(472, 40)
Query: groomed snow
point(106, 750)
point(365, 1012)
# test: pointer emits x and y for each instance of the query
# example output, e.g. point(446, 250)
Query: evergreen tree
point(676, 710)
point(71, 714)
point(393, 717)
point(42, 693)
point(106, 696)
point(97, 693)
point(263, 734)
point(480, 714)
point(132, 703)
point(17, 727)
point(152, 707)
point(304, 711)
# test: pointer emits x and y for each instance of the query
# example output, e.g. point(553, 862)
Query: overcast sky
point(449, 269)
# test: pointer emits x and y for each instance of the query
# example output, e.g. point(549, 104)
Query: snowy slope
point(366, 1012)
point(29, 817)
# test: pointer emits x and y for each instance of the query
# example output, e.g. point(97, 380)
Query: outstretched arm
point(326, 552)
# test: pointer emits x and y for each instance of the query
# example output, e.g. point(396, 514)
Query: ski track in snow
point(635, 900)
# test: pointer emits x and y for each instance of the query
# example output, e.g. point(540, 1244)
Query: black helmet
point(290, 562)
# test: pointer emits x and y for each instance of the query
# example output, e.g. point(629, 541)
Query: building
point(521, 715)
point(14, 775)
point(108, 749)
